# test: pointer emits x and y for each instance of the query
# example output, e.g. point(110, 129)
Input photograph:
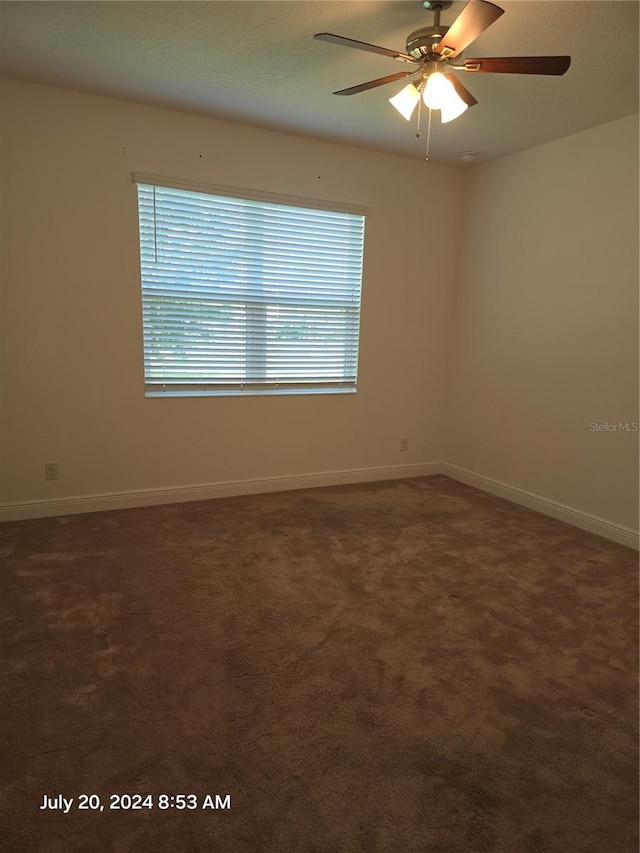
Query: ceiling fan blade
point(474, 19)
point(373, 84)
point(363, 45)
point(462, 91)
point(556, 65)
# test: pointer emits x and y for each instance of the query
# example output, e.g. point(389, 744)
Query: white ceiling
point(257, 63)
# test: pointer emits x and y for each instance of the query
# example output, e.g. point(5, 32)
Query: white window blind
point(244, 295)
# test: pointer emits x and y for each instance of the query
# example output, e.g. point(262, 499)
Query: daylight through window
point(246, 295)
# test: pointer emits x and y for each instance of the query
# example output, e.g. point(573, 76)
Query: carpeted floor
point(400, 666)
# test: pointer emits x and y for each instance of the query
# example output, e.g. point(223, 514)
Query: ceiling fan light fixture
point(406, 101)
point(453, 108)
point(433, 51)
point(440, 94)
point(437, 90)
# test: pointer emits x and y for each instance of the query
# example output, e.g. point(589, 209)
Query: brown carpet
point(398, 666)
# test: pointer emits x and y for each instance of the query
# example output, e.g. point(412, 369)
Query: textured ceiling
point(257, 63)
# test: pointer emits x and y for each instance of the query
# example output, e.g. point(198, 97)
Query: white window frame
point(297, 296)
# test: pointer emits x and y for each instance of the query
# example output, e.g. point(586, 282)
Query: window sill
point(253, 392)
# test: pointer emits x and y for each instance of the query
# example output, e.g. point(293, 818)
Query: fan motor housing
point(421, 43)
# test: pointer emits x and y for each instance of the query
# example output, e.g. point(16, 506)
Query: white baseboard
point(592, 523)
point(206, 491)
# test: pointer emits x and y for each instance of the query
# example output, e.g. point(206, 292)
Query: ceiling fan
point(432, 50)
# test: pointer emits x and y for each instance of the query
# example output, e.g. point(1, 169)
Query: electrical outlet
point(404, 444)
point(51, 471)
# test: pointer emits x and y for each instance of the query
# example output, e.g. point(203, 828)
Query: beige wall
point(544, 340)
point(72, 343)
point(546, 326)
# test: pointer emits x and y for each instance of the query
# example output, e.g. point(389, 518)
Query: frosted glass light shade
point(439, 94)
point(437, 90)
point(452, 109)
point(406, 100)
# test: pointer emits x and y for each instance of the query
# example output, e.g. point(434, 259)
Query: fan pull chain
point(428, 136)
point(419, 116)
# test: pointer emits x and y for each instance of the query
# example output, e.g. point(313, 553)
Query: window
point(247, 295)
